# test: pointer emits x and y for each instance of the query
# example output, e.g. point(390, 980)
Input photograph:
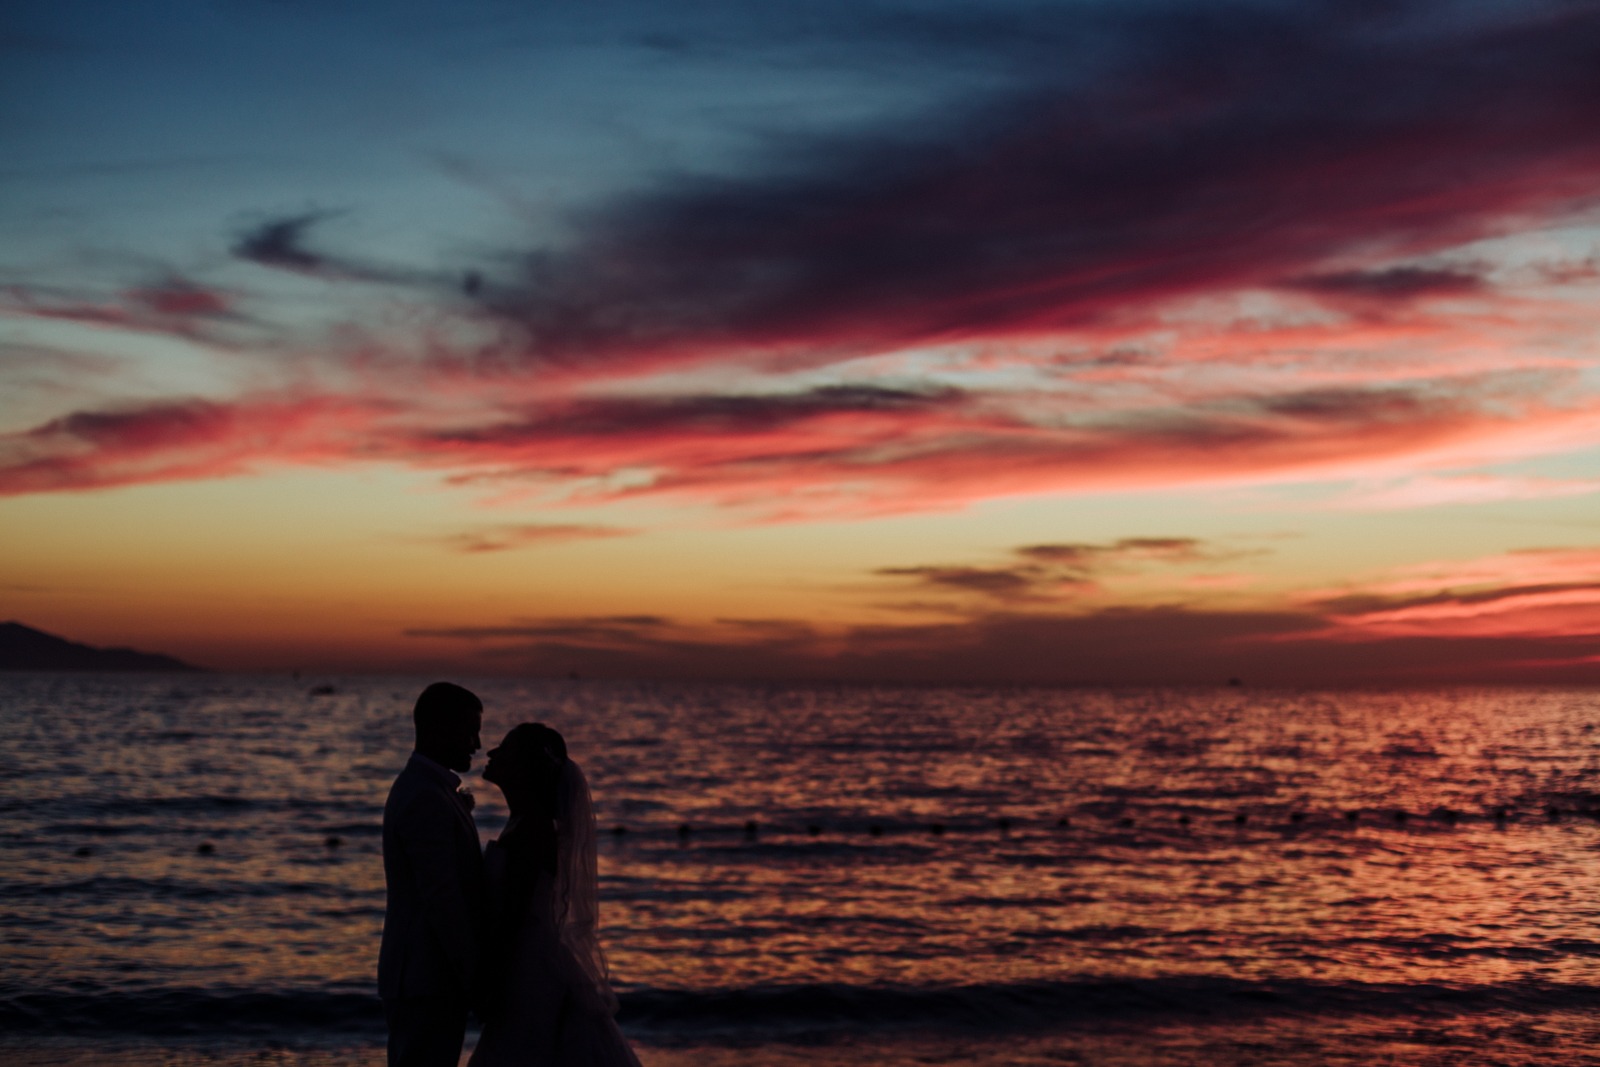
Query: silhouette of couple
point(508, 933)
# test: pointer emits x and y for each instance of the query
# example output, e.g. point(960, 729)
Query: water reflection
point(1146, 836)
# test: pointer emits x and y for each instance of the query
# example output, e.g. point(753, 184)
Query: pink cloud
point(1570, 611)
point(1536, 593)
point(179, 440)
point(1098, 247)
point(843, 451)
point(176, 307)
point(1527, 567)
point(1431, 491)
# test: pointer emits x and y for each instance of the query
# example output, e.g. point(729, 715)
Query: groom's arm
point(443, 888)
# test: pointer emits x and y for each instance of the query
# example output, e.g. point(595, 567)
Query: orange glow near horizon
point(1092, 382)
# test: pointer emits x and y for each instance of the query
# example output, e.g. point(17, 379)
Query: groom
point(428, 960)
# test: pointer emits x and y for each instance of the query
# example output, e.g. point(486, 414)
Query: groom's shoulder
point(407, 785)
point(414, 783)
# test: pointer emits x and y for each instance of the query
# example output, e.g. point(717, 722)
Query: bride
point(548, 1000)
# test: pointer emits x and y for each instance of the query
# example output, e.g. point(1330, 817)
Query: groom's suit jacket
point(434, 869)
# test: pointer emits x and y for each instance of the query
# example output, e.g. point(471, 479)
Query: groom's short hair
point(442, 704)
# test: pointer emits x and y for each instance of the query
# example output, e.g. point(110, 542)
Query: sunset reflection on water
point(1339, 852)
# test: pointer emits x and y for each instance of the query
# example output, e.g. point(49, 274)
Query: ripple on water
point(975, 838)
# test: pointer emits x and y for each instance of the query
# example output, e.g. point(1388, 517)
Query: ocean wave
point(209, 804)
point(191, 1012)
point(817, 1010)
point(1047, 1005)
point(125, 888)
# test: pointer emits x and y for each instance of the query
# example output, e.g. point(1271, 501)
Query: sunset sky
point(925, 340)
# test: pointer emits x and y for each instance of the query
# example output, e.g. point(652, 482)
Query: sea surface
point(190, 871)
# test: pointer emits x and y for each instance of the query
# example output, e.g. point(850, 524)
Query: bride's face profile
point(499, 760)
point(523, 768)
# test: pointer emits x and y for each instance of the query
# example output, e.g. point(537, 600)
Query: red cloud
point(178, 440)
point(930, 461)
point(855, 450)
point(1544, 594)
point(181, 299)
point(1093, 243)
point(176, 307)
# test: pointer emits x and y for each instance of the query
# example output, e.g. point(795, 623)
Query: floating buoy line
point(1293, 821)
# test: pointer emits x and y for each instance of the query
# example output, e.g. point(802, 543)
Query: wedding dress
point(557, 1007)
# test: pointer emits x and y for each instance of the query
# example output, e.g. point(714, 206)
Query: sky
point(932, 341)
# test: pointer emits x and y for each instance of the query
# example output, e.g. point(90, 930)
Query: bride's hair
point(576, 901)
point(539, 737)
point(542, 755)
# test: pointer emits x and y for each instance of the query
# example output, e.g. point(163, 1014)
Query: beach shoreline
point(1418, 1035)
point(1564, 1038)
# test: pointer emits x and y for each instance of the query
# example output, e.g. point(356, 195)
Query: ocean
point(836, 876)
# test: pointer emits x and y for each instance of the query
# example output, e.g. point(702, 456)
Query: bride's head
point(527, 765)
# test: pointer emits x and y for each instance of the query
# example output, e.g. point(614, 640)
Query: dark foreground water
point(191, 871)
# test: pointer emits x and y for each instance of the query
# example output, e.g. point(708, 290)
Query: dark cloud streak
point(281, 244)
point(1222, 147)
point(1358, 604)
point(1118, 646)
point(1053, 572)
point(1092, 556)
point(999, 582)
point(509, 536)
point(709, 415)
point(1394, 283)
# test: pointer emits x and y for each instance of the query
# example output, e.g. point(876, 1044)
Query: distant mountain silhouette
point(22, 648)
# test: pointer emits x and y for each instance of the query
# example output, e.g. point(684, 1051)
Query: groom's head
point(447, 718)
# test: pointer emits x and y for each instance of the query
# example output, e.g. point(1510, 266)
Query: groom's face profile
point(448, 719)
point(461, 740)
